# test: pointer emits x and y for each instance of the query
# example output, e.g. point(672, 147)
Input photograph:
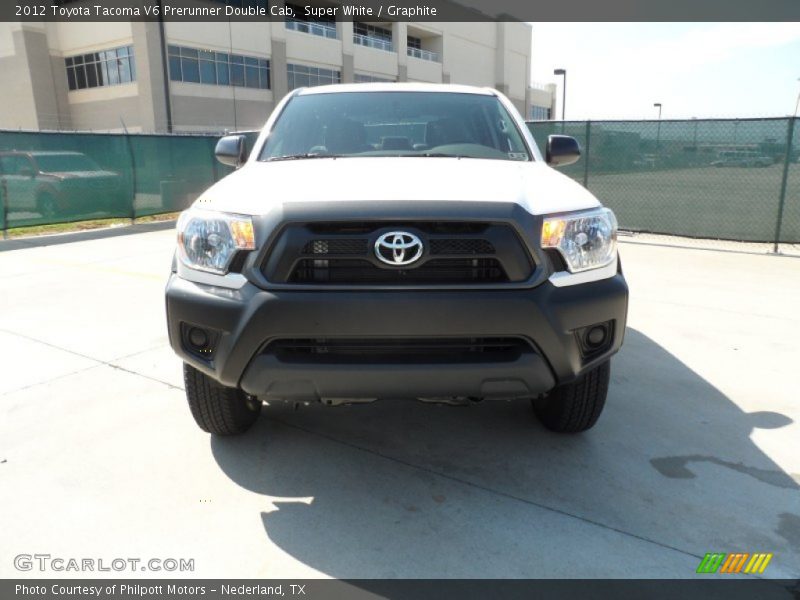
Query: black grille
point(359, 246)
point(398, 350)
point(432, 227)
point(348, 271)
point(343, 253)
point(461, 246)
point(344, 246)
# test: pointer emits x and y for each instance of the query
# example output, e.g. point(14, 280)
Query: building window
point(302, 76)
point(414, 48)
point(364, 78)
point(372, 31)
point(372, 37)
point(191, 65)
point(321, 26)
point(540, 113)
point(99, 69)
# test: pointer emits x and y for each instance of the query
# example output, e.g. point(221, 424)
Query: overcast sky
point(618, 70)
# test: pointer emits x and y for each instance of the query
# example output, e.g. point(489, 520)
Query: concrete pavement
point(698, 449)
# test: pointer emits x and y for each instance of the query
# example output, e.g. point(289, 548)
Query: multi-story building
point(213, 76)
point(542, 99)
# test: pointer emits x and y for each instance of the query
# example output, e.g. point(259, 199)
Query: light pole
point(563, 73)
point(797, 104)
point(658, 131)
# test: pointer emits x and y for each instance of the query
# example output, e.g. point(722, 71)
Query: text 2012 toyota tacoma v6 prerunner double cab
point(396, 241)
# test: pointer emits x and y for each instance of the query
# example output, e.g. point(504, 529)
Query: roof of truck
point(397, 87)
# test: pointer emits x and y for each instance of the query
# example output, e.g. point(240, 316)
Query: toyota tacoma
point(389, 241)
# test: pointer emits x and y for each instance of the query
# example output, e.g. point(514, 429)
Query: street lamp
point(797, 104)
point(658, 131)
point(563, 73)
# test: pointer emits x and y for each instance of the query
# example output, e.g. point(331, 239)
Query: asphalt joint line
point(99, 363)
point(489, 490)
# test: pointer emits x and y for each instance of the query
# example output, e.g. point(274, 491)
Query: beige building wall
point(494, 55)
point(34, 99)
point(109, 108)
point(242, 37)
point(543, 96)
point(79, 38)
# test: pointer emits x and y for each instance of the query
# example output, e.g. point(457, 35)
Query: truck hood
point(260, 187)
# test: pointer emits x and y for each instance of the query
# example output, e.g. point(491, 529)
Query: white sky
point(618, 70)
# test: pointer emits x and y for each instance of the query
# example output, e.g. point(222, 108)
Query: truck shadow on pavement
point(404, 489)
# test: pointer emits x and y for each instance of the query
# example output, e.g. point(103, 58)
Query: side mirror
point(231, 150)
point(26, 172)
point(562, 150)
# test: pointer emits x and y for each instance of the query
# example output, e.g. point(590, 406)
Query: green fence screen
point(62, 177)
point(719, 179)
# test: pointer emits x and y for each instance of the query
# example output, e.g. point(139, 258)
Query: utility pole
point(658, 131)
point(563, 73)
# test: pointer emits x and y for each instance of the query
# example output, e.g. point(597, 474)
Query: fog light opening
point(595, 339)
point(199, 341)
point(596, 336)
point(198, 338)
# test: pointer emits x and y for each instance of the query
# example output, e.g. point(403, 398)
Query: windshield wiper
point(304, 155)
point(440, 155)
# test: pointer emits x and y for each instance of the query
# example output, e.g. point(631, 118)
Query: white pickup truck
point(391, 241)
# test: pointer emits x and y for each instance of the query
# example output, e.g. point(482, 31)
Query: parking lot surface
point(698, 449)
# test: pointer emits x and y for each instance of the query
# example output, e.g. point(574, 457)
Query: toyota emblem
point(398, 248)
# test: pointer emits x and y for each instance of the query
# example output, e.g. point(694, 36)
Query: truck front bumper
point(243, 330)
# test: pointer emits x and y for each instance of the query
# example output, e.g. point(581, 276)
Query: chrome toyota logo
point(398, 248)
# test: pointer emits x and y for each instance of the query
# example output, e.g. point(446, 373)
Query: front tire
point(48, 207)
point(218, 409)
point(576, 406)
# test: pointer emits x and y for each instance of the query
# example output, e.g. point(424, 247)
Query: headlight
point(586, 240)
point(209, 240)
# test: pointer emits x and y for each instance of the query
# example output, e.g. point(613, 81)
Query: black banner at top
point(399, 10)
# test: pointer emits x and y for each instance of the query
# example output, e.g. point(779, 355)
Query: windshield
point(55, 163)
point(395, 124)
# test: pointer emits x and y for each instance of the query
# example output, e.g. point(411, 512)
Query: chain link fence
point(697, 180)
point(700, 180)
point(48, 178)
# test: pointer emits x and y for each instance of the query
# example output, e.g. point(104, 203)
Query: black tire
point(47, 205)
point(218, 409)
point(576, 406)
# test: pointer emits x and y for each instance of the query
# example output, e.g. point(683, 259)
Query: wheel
point(575, 407)
point(218, 409)
point(48, 207)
